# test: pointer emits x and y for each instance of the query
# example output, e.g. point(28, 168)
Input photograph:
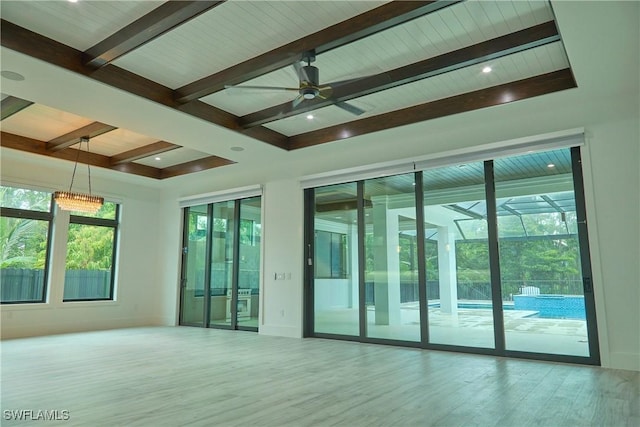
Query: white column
point(386, 265)
point(447, 269)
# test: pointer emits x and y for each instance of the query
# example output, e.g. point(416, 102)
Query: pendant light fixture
point(79, 202)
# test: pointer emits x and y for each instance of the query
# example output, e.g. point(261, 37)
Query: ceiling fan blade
point(276, 88)
point(380, 79)
point(325, 92)
point(297, 101)
point(350, 108)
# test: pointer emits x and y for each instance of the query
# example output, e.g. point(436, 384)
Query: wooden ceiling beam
point(368, 23)
point(91, 130)
point(35, 146)
point(162, 19)
point(194, 166)
point(22, 40)
point(519, 41)
point(142, 152)
point(11, 105)
point(483, 98)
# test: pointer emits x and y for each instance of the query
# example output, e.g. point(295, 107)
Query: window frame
point(38, 216)
point(98, 222)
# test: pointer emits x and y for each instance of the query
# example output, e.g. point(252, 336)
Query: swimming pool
point(544, 306)
point(552, 306)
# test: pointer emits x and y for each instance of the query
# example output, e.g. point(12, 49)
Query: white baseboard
point(281, 331)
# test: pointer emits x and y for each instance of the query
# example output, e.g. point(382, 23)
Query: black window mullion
point(114, 252)
point(207, 271)
point(235, 265)
point(422, 264)
point(309, 262)
point(585, 259)
point(494, 257)
point(362, 312)
point(26, 214)
point(183, 268)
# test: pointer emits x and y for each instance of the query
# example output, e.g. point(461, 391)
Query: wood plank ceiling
point(395, 63)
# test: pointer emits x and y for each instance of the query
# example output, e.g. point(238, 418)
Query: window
point(91, 250)
point(331, 255)
point(25, 229)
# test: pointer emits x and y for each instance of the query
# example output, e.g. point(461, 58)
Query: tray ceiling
point(398, 62)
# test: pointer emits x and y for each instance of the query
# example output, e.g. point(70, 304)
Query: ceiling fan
point(309, 86)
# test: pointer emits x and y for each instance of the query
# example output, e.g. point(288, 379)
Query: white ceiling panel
point(43, 123)
point(79, 25)
point(118, 141)
point(171, 158)
point(232, 33)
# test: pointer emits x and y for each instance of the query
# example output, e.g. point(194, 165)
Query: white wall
point(137, 302)
point(282, 231)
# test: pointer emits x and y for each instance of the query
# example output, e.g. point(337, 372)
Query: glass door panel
point(196, 226)
point(391, 263)
point(459, 297)
point(249, 262)
point(540, 270)
point(222, 258)
point(335, 281)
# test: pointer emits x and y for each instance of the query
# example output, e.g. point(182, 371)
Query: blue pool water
point(552, 306)
point(544, 306)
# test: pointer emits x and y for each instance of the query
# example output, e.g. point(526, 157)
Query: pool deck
point(468, 327)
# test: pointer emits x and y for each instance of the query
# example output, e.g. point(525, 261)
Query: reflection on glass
point(540, 270)
point(222, 263)
point(391, 266)
point(457, 257)
point(249, 262)
point(89, 262)
point(336, 296)
point(192, 310)
point(24, 251)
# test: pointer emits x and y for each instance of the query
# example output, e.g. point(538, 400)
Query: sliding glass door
point(541, 274)
point(459, 293)
point(490, 257)
point(391, 263)
point(221, 264)
point(336, 295)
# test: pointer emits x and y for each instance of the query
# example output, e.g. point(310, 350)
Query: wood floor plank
point(181, 376)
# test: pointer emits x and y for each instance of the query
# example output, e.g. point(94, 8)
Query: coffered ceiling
point(381, 65)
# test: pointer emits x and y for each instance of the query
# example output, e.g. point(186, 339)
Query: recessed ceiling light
point(310, 116)
point(11, 75)
point(551, 165)
point(157, 158)
point(73, 1)
point(237, 149)
point(486, 70)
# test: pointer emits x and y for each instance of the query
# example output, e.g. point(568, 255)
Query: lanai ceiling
point(388, 64)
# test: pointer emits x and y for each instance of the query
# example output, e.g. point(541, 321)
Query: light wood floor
point(181, 376)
